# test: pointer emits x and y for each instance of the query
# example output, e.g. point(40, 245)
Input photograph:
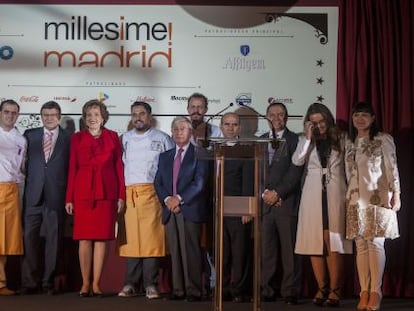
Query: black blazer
point(46, 180)
point(283, 176)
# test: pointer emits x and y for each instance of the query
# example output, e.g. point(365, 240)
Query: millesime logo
point(244, 62)
point(81, 28)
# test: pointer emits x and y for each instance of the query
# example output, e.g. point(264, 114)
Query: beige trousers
point(370, 261)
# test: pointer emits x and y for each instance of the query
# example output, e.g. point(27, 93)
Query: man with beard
point(197, 107)
point(141, 236)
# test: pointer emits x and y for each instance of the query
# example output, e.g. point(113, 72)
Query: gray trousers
point(145, 269)
point(183, 239)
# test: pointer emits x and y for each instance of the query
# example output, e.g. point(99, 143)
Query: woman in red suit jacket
point(95, 191)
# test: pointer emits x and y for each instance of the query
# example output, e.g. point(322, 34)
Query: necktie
point(47, 145)
point(272, 150)
point(176, 169)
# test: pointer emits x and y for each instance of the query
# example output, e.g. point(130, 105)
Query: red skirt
point(94, 220)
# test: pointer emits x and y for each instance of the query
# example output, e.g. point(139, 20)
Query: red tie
point(176, 169)
point(47, 145)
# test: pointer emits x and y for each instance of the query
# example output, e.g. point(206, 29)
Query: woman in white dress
point(373, 197)
point(321, 222)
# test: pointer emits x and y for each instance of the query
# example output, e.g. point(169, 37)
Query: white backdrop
point(249, 54)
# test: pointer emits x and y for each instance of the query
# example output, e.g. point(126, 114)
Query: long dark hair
point(363, 107)
point(333, 133)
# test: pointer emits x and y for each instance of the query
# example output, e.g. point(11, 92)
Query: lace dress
point(372, 174)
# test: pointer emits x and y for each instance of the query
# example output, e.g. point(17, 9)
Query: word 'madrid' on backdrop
point(162, 54)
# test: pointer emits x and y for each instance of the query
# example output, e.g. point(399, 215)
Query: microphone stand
point(274, 142)
point(205, 142)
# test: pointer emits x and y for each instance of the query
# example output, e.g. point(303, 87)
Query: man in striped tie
point(44, 199)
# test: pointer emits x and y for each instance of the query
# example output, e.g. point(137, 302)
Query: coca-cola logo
point(29, 99)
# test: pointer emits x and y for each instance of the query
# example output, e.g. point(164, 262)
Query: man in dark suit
point(180, 184)
point(44, 199)
point(280, 208)
point(238, 181)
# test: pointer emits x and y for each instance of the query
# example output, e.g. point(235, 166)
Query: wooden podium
point(221, 150)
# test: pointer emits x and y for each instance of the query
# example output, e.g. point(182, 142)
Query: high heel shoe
point(97, 293)
point(333, 298)
point(374, 303)
point(320, 297)
point(83, 294)
point(363, 300)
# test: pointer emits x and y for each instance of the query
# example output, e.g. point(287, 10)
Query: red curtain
point(376, 64)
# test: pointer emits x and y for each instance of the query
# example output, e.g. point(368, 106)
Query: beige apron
point(140, 230)
point(11, 237)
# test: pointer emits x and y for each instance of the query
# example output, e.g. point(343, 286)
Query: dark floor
point(71, 302)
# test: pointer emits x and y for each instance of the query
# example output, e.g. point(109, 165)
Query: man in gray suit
point(44, 199)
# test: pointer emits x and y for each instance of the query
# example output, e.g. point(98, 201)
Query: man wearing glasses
point(44, 199)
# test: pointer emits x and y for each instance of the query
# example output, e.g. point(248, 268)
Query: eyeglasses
point(318, 123)
point(50, 115)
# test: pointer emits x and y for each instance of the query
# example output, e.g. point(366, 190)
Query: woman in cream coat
point(373, 198)
point(321, 222)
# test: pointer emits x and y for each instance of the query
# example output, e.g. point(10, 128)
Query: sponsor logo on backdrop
point(177, 98)
point(287, 100)
point(244, 98)
point(6, 52)
point(102, 96)
point(29, 122)
point(29, 99)
point(146, 99)
point(245, 50)
point(80, 29)
point(244, 62)
point(65, 99)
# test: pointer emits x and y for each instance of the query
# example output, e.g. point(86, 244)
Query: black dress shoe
point(267, 298)
point(50, 291)
point(29, 291)
point(192, 298)
point(291, 300)
point(176, 297)
point(238, 299)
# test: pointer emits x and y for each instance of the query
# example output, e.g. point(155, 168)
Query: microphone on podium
point(205, 141)
point(272, 128)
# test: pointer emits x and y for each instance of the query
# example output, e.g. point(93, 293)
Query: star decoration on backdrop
point(320, 98)
point(320, 80)
point(319, 63)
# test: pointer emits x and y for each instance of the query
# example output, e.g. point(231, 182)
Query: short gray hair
point(181, 119)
